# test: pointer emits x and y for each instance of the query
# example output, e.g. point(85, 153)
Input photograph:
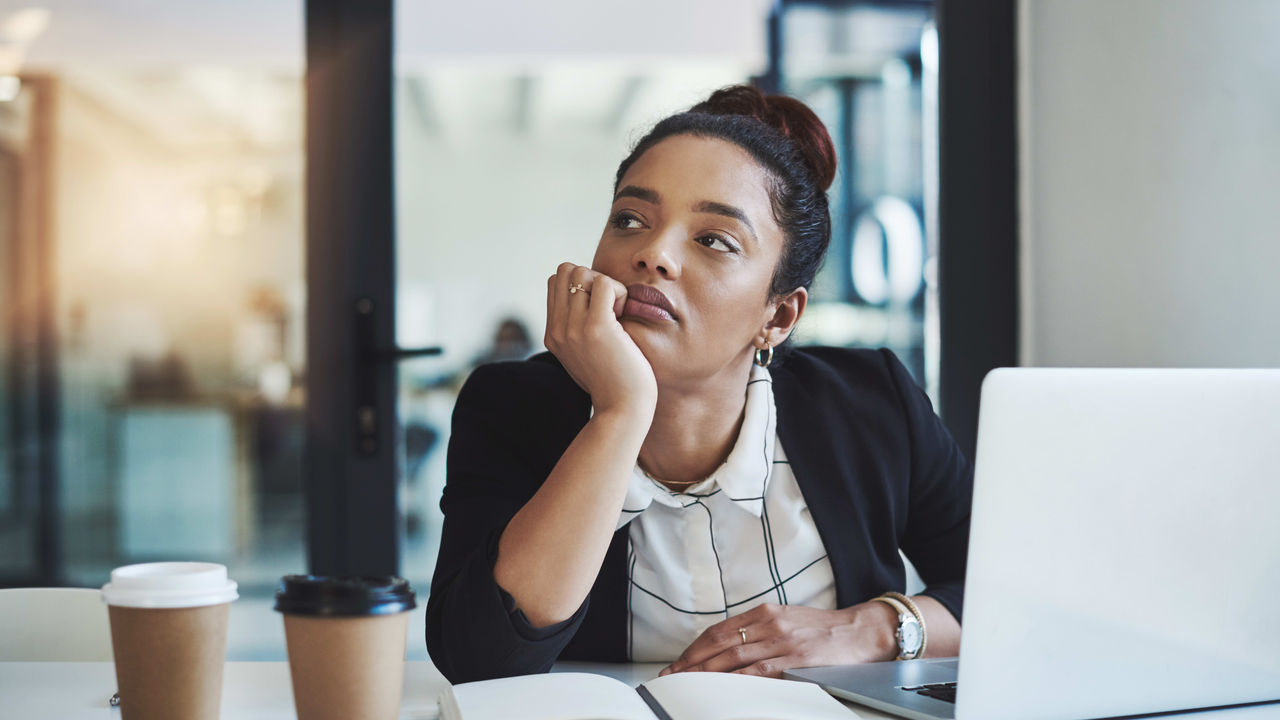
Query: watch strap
point(897, 606)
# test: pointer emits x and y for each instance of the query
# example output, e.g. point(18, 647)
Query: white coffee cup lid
point(169, 585)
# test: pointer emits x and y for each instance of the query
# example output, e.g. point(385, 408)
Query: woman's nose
point(659, 254)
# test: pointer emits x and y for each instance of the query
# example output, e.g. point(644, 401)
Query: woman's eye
point(715, 242)
point(626, 221)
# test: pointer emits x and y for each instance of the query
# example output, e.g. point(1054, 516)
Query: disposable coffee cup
point(346, 638)
point(169, 638)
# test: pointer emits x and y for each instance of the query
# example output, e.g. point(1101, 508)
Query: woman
point(661, 486)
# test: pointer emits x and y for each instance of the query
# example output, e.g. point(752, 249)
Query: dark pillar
point(978, 210)
point(350, 477)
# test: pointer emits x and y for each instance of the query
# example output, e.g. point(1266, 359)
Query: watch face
point(910, 636)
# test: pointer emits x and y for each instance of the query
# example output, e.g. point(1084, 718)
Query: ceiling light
point(25, 25)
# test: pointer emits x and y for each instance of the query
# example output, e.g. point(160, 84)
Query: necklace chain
point(679, 483)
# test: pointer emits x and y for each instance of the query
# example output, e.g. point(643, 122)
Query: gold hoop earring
point(764, 357)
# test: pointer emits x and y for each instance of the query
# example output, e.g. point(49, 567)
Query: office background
point(1050, 182)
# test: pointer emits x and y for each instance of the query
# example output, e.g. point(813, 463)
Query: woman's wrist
point(878, 623)
point(634, 412)
point(623, 428)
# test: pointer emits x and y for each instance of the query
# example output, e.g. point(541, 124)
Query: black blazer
point(876, 467)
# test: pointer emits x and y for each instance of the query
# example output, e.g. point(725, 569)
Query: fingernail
point(664, 671)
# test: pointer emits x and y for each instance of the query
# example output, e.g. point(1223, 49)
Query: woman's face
point(692, 220)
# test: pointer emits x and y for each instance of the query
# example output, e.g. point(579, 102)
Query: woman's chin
point(654, 344)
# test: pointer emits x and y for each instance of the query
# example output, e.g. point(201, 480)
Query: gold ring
point(743, 633)
point(576, 287)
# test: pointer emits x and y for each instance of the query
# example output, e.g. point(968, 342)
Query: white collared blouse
point(740, 538)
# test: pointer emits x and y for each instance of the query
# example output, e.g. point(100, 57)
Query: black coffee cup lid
point(332, 596)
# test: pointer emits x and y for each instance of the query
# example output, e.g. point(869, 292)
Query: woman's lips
point(637, 309)
point(646, 302)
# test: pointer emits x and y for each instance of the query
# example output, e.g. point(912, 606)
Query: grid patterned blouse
point(738, 539)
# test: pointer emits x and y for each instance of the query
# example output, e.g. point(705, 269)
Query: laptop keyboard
point(945, 692)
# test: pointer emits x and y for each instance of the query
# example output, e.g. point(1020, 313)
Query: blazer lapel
point(807, 427)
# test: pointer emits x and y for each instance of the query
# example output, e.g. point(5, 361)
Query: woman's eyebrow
point(640, 193)
point(728, 211)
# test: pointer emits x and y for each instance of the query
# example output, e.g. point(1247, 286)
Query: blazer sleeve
point(498, 457)
point(936, 537)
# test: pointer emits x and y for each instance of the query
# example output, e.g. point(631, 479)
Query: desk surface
point(262, 691)
point(250, 690)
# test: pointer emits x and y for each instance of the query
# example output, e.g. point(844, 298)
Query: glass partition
point(151, 188)
point(870, 71)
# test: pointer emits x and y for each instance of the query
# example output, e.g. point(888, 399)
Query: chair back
point(54, 624)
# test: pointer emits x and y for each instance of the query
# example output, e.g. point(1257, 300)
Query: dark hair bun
point(786, 114)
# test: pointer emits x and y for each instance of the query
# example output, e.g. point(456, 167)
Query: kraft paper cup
point(346, 639)
point(169, 638)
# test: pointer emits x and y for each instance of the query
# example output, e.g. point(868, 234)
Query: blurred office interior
point(153, 228)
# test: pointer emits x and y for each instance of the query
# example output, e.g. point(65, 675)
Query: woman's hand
point(781, 637)
point(583, 332)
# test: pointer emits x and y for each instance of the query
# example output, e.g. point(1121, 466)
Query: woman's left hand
point(781, 637)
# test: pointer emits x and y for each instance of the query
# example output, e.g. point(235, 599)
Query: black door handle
point(396, 354)
point(369, 352)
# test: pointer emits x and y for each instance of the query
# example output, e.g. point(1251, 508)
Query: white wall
point(1150, 171)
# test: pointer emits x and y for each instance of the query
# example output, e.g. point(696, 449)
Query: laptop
point(1124, 556)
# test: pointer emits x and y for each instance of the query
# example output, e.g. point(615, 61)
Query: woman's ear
point(786, 313)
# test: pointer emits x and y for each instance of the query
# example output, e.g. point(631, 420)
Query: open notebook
point(681, 696)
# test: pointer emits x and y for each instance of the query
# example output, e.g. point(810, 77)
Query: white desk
point(261, 691)
point(250, 690)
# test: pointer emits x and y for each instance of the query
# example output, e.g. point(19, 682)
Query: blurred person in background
point(510, 342)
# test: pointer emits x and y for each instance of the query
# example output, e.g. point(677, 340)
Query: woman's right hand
point(583, 332)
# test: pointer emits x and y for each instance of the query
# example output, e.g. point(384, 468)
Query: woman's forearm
point(944, 630)
point(551, 551)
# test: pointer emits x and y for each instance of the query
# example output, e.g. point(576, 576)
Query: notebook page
point(725, 696)
point(553, 696)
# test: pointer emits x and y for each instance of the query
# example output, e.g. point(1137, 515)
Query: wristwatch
point(909, 634)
